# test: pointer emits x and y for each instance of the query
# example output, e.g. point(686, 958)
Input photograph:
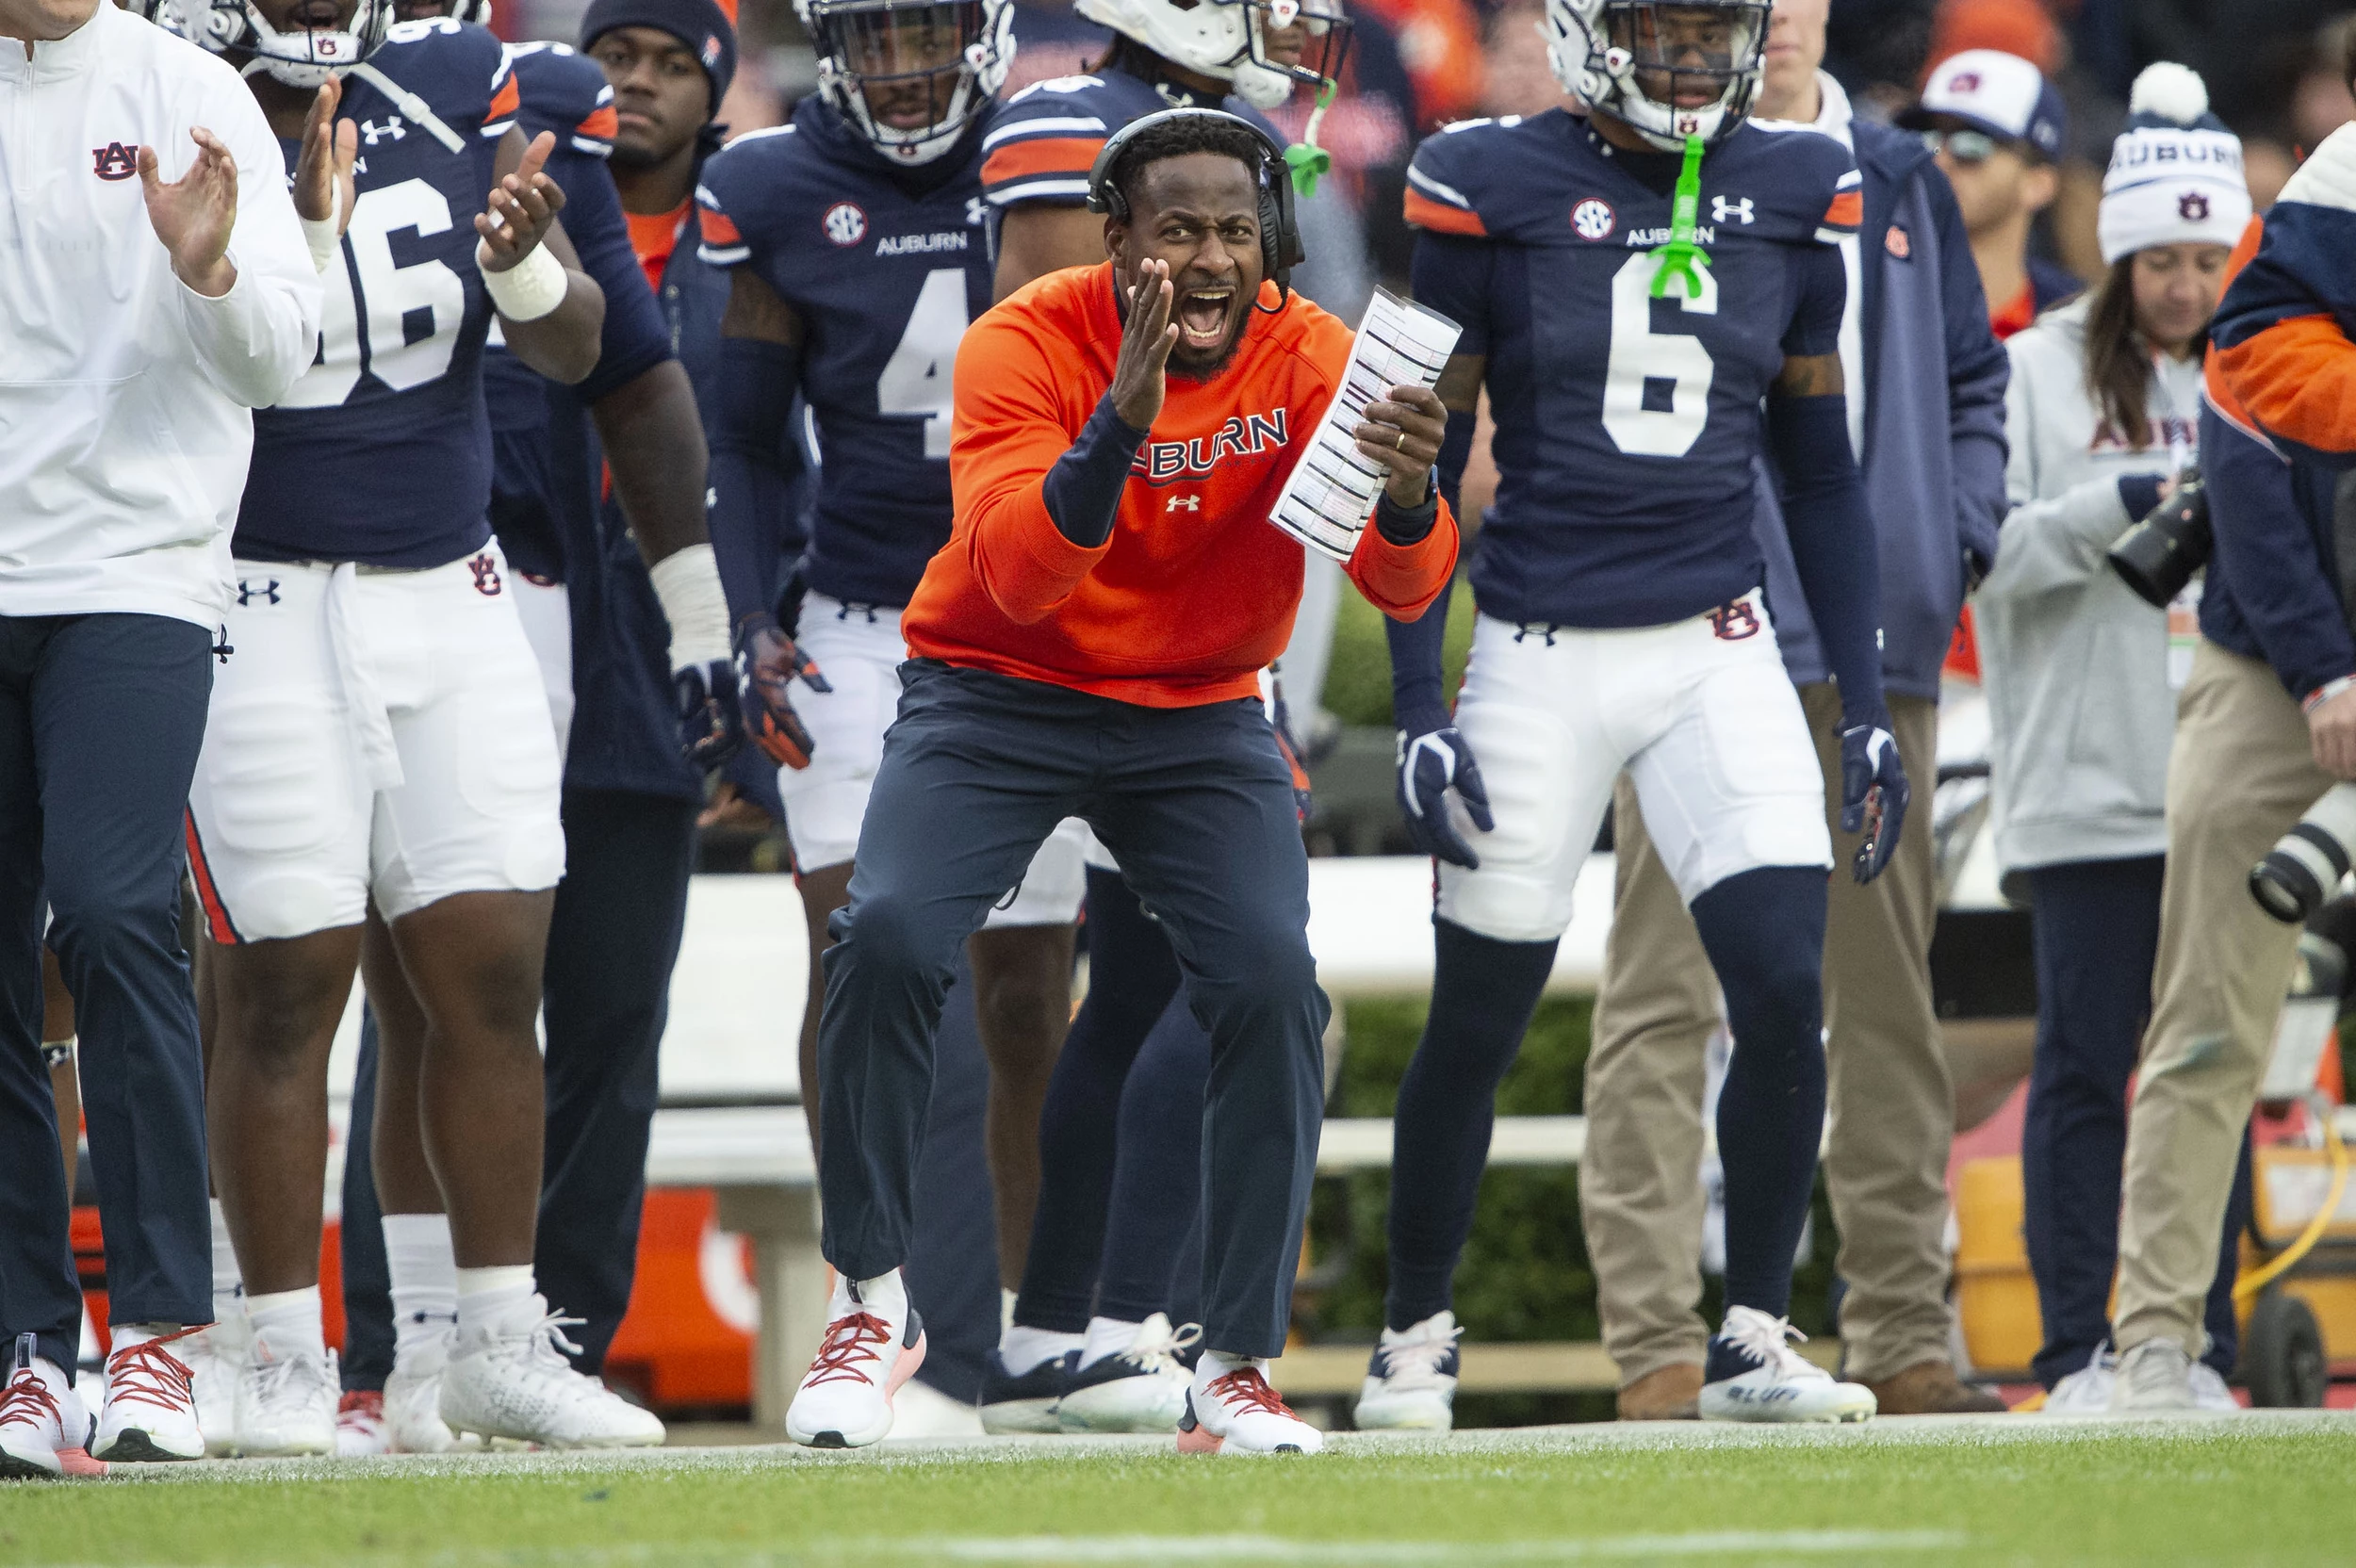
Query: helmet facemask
point(298, 56)
point(1264, 81)
point(1670, 69)
point(910, 74)
point(1229, 40)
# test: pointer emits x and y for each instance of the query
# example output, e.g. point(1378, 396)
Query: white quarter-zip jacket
point(126, 398)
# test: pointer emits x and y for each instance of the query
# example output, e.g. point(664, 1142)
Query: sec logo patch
point(845, 223)
point(1593, 218)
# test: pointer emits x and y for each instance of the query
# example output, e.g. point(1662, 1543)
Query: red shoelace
point(148, 1373)
point(1247, 1389)
point(28, 1402)
point(847, 1343)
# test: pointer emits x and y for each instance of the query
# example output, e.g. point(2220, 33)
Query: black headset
point(1280, 230)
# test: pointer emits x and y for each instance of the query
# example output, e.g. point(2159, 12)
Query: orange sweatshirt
point(1194, 591)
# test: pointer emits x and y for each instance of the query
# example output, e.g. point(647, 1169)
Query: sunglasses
point(1969, 147)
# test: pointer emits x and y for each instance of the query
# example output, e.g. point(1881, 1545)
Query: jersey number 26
point(413, 312)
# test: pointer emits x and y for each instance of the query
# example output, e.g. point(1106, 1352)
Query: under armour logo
point(247, 593)
point(486, 574)
point(975, 209)
point(389, 131)
point(1730, 212)
point(1187, 503)
point(114, 161)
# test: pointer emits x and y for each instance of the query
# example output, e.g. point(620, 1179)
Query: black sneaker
point(1028, 1403)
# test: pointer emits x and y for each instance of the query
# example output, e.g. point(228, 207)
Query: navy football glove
point(767, 664)
point(1873, 795)
point(1433, 758)
point(711, 724)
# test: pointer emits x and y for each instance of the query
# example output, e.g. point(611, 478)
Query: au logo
point(114, 161)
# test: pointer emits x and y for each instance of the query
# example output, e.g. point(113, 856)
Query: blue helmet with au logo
point(1671, 69)
point(910, 75)
point(298, 57)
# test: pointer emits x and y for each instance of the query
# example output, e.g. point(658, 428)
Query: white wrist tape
point(322, 235)
point(528, 290)
point(688, 583)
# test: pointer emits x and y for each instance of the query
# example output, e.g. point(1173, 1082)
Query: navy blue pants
point(2096, 926)
point(101, 719)
point(1120, 1137)
point(1197, 804)
point(613, 941)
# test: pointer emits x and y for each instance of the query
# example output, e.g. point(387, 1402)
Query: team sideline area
point(1926, 1489)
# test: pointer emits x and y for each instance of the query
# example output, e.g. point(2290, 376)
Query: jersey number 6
point(413, 312)
point(1643, 360)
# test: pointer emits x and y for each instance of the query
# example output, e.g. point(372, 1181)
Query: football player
point(855, 248)
point(1085, 1325)
point(596, 614)
point(1652, 295)
point(379, 737)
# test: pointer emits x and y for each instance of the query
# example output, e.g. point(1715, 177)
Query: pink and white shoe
point(151, 1399)
point(1231, 1409)
point(45, 1432)
point(875, 1342)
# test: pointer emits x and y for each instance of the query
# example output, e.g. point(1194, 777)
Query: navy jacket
point(1932, 368)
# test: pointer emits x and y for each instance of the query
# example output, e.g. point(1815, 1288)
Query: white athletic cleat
point(511, 1381)
point(360, 1429)
point(875, 1342)
point(45, 1432)
point(1753, 1374)
point(285, 1404)
point(151, 1405)
point(1028, 1403)
point(2157, 1378)
point(413, 1399)
point(1140, 1389)
point(1237, 1412)
point(2086, 1391)
point(213, 1359)
point(1410, 1378)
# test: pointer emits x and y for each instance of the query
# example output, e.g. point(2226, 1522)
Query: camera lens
point(2157, 556)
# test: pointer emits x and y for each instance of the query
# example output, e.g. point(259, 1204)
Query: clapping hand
point(194, 216)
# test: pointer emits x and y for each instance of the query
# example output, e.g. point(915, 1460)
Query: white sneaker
point(151, 1407)
point(213, 1359)
point(1237, 1411)
point(413, 1399)
point(511, 1379)
point(1141, 1388)
point(2086, 1391)
point(875, 1342)
point(360, 1429)
point(1410, 1378)
point(2157, 1377)
point(285, 1404)
point(1753, 1374)
point(45, 1432)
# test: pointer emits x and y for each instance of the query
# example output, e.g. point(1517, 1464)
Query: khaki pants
point(1891, 1101)
point(2239, 773)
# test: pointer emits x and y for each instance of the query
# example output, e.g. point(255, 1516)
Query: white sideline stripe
point(1258, 1548)
point(1027, 129)
point(1446, 192)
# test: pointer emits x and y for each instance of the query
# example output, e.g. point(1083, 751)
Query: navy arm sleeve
point(1824, 500)
point(1978, 370)
point(2267, 558)
point(634, 338)
point(1082, 492)
point(751, 526)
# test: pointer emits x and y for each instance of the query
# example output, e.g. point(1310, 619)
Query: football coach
point(1088, 643)
point(154, 289)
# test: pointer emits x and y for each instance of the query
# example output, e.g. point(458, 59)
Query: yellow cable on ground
point(2258, 1279)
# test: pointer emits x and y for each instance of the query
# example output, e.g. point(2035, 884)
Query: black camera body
point(2157, 556)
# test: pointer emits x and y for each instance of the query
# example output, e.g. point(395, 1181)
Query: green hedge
point(1525, 1274)
point(1358, 682)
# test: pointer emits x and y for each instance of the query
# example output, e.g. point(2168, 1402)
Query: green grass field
point(2261, 1489)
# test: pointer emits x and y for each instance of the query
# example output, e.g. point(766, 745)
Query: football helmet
point(1225, 39)
point(301, 56)
point(953, 51)
point(1611, 51)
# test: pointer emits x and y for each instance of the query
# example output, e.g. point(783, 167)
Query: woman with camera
point(2080, 674)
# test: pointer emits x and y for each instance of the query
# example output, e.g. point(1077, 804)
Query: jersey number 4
point(916, 379)
point(1656, 390)
point(412, 314)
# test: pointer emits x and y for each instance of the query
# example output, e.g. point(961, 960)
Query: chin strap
point(1684, 258)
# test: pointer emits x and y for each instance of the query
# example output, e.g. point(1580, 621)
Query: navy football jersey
point(1629, 427)
point(381, 452)
point(886, 267)
point(1045, 139)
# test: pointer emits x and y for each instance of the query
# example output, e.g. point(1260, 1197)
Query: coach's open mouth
point(1204, 316)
